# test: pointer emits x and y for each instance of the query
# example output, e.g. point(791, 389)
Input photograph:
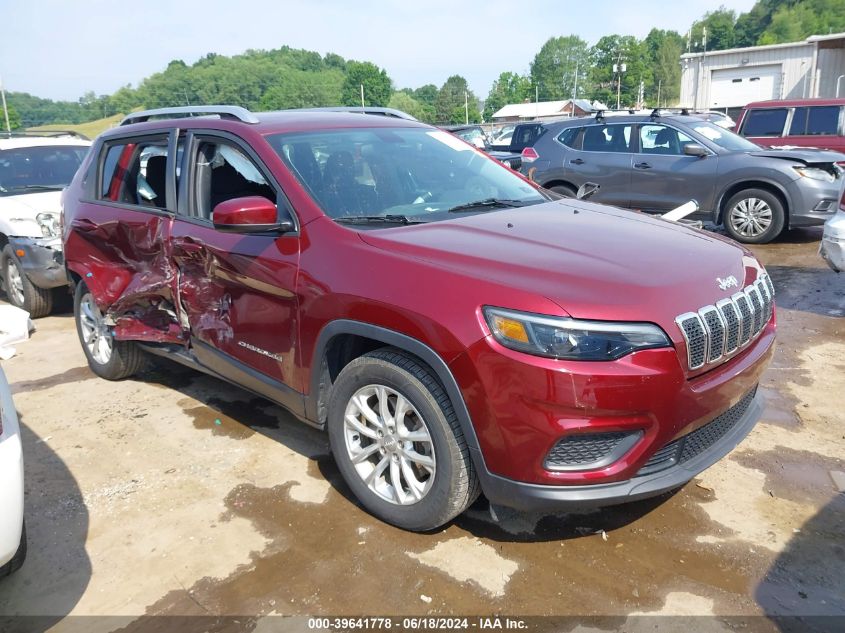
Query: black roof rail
point(223, 111)
point(600, 113)
point(659, 111)
point(46, 134)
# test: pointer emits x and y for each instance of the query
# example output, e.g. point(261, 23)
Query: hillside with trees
point(566, 66)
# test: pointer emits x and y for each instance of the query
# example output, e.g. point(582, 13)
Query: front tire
point(565, 190)
point(754, 216)
point(22, 293)
point(398, 443)
point(108, 358)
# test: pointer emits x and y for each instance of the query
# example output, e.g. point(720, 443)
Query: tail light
point(529, 155)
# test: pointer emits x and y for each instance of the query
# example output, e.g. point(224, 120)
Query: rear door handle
point(576, 161)
point(642, 166)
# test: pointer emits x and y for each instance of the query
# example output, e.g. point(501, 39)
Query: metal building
point(729, 79)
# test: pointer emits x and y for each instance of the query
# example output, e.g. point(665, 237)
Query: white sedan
point(12, 532)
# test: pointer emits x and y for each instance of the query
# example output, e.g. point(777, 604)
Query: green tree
point(750, 26)
point(14, 119)
point(403, 101)
point(796, 22)
point(664, 49)
point(720, 30)
point(426, 94)
point(454, 99)
point(554, 66)
point(617, 50)
point(377, 85)
point(124, 100)
point(508, 88)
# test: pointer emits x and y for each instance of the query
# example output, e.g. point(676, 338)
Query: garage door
point(735, 87)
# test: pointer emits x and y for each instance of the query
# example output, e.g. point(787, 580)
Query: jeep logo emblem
point(727, 282)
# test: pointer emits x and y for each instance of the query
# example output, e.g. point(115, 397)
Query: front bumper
point(42, 260)
point(533, 497)
point(812, 202)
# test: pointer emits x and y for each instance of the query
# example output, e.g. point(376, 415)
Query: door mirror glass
point(249, 214)
point(694, 149)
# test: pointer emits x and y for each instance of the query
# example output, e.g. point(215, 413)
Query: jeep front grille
point(717, 331)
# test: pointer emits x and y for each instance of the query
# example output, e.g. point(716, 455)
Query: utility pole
point(466, 107)
point(619, 68)
point(575, 86)
point(362, 97)
point(5, 109)
point(536, 101)
point(700, 77)
point(659, 83)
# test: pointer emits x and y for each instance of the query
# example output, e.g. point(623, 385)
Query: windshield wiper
point(376, 219)
point(486, 202)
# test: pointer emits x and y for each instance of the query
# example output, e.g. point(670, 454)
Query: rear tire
point(564, 190)
point(21, 292)
point(18, 559)
point(754, 216)
point(417, 462)
point(108, 358)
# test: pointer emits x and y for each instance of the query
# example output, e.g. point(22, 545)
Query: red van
point(802, 122)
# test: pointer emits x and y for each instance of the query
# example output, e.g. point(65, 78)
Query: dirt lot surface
point(177, 494)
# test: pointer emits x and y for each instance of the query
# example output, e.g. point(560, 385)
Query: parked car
point(523, 135)
point(472, 134)
point(12, 528)
point(657, 162)
point(832, 247)
point(454, 327)
point(799, 122)
point(33, 171)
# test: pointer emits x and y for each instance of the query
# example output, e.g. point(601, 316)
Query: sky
point(61, 49)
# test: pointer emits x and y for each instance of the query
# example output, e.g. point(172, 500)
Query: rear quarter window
point(815, 121)
point(571, 137)
point(764, 122)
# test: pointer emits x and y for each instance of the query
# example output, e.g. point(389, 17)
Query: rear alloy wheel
point(18, 559)
point(109, 359)
point(754, 216)
point(398, 443)
point(22, 293)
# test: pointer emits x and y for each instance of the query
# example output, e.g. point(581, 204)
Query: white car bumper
point(11, 477)
point(832, 247)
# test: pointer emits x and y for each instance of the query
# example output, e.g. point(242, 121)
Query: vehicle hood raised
point(594, 261)
point(808, 156)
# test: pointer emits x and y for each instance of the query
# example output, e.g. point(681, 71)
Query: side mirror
point(250, 214)
point(586, 190)
point(694, 149)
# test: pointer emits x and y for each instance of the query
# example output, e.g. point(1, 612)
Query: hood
point(17, 212)
point(808, 156)
point(594, 261)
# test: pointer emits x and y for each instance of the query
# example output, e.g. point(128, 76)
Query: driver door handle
point(642, 166)
point(577, 161)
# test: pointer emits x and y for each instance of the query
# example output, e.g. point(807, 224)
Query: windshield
point(724, 138)
point(39, 168)
point(417, 173)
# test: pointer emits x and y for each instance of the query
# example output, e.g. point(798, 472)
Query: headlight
point(48, 223)
point(571, 339)
point(816, 173)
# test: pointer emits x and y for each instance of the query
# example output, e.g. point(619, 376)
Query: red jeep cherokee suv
point(455, 328)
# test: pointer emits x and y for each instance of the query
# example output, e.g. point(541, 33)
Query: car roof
point(17, 142)
point(795, 102)
point(627, 118)
point(276, 122)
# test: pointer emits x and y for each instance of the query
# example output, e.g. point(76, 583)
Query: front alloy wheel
point(397, 441)
point(95, 334)
point(754, 216)
point(389, 444)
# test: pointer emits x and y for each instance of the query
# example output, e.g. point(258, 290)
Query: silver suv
point(657, 162)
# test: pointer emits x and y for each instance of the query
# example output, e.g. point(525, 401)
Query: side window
point(660, 139)
point(571, 137)
point(815, 120)
point(222, 173)
point(767, 122)
point(607, 138)
point(136, 173)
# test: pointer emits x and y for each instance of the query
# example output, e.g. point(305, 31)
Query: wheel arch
point(343, 340)
point(555, 182)
point(767, 185)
